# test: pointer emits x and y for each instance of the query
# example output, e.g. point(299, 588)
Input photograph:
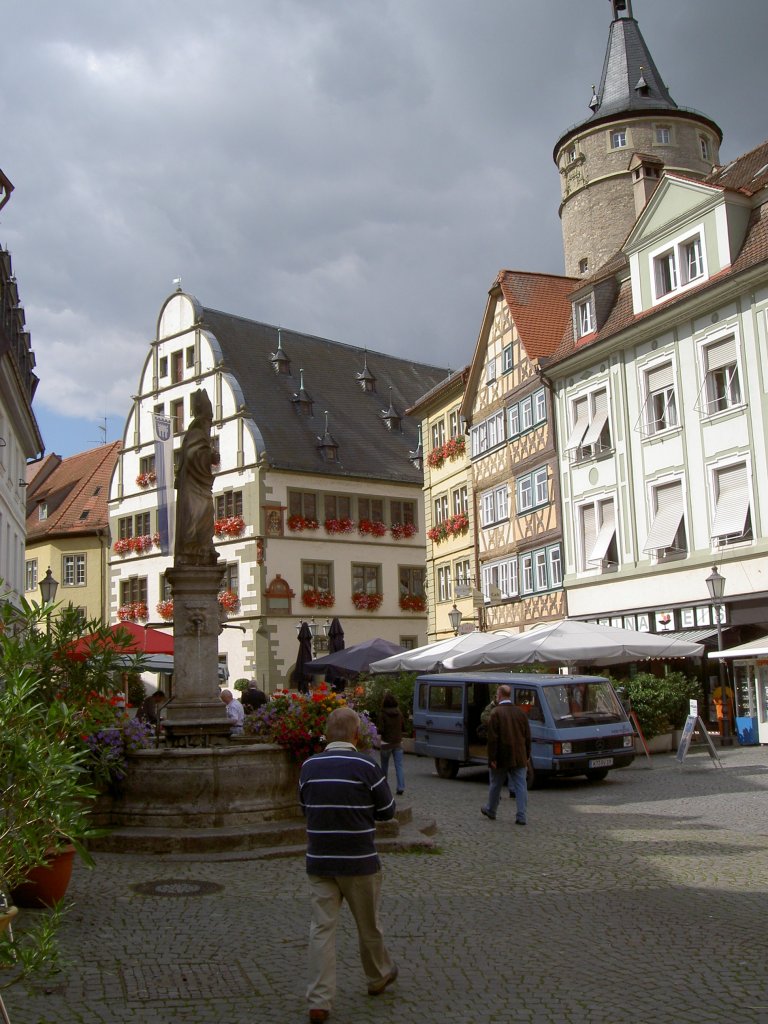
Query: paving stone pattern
point(642, 898)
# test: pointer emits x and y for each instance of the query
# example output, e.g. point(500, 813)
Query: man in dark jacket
point(509, 750)
point(343, 794)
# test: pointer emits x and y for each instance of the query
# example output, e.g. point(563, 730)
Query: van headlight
point(563, 748)
point(629, 740)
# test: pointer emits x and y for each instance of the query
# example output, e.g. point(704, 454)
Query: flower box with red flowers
point(136, 611)
point(229, 601)
point(136, 545)
point(165, 609)
point(457, 524)
point(367, 602)
point(146, 479)
point(317, 599)
point(229, 526)
point(438, 533)
point(371, 527)
point(298, 523)
point(453, 448)
point(339, 525)
point(435, 459)
point(401, 530)
point(413, 603)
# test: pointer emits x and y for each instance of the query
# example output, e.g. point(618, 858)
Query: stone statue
point(194, 484)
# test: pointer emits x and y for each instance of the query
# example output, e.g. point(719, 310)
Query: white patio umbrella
point(570, 643)
point(431, 657)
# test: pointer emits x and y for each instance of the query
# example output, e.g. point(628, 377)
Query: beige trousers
point(362, 893)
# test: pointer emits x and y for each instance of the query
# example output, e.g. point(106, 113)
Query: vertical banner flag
point(166, 508)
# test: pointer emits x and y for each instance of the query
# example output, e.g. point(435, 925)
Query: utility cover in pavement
point(176, 887)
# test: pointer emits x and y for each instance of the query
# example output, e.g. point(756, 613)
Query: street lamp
point(716, 588)
point(455, 616)
point(48, 588)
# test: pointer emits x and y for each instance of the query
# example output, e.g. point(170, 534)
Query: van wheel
point(446, 769)
point(533, 779)
point(596, 774)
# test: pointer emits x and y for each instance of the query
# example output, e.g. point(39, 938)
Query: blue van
point(578, 724)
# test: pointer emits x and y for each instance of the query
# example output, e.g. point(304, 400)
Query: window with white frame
point(663, 134)
point(532, 490)
point(488, 434)
point(30, 574)
point(679, 265)
point(462, 574)
point(555, 559)
point(438, 434)
point(667, 536)
point(661, 402)
point(441, 508)
point(499, 579)
point(540, 569)
point(73, 570)
point(539, 406)
point(507, 363)
point(526, 413)
point(513, 420)
point(619, 138)
point(597, 535)
point(704, 147)
point(721, 388)
point(494, 505)
point(490, 370)
point(525, 493)
point(444, 588)
point(460, 501)
point(585, 316)
point(590, 434)
point(454, 421)
point(732, 519)
point(526, 573)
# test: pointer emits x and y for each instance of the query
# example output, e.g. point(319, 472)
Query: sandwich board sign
point(692, 723)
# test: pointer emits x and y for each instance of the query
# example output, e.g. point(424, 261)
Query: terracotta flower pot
point(46, 885)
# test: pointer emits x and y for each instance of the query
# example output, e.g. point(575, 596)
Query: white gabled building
point(318, 499)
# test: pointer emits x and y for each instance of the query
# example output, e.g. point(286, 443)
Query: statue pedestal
point(196, 716)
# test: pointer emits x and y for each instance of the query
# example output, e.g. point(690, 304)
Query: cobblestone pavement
point(641, 898)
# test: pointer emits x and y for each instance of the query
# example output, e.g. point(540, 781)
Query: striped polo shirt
point(343, 793)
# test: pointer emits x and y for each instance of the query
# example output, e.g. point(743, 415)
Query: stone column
point(196, 716)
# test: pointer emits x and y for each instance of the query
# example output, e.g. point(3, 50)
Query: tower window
point(704, 146)
point(619, 138)
point(583, 265)
point(663, 135)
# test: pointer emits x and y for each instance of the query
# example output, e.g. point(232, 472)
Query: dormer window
point(679, 266)
point(42, 510)
point(391, 416)
point(302, 399)
point(365, 378)
point(327, 445)
point(280, 361)
point(585, 316)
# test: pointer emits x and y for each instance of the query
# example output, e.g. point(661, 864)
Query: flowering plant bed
point(367, 602)
point(317, 599)
point(136, 611)
point(371, 527)
point(298, 523)
point(146, 479)
point(229, 526)
point(413, 603)
point(339, 525)
point(165, 609)
point(401, 530)
point(136, 545)
point(229, 601)
point(297, 721)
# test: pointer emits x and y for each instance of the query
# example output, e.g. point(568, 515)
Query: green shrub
point(374, 687)
point(136, 690)
point(660, 702)
point(241, 685)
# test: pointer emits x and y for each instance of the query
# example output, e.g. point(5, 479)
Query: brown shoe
point(317, 1013)
point(378, 988)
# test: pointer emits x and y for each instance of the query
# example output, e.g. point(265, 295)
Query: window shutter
point(721, 353)
point(589, 530)
point(581, 411)
point(669, 512)
point(659, 378)
point(732, 502)
point(598, 420)
point(605, 535)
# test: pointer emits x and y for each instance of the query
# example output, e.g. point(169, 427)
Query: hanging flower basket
point(229, 601)
point(372, 528)
point(136, 611)
point(229, 526)
point(317, 599)
point(146, 479)
point(339, 525)
point(165, 609)
point(401, 530)
point(367, 602)
point(413, 603)
point(296, 524)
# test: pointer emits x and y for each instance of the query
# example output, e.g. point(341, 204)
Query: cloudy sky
point(355, 169)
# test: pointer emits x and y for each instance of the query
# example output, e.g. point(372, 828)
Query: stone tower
point(611, 163)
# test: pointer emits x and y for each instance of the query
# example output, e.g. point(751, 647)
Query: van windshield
point(575, 704)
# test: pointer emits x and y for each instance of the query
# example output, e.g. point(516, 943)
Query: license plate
point(601, 762)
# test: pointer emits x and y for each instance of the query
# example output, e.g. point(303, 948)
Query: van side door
point(439, 719)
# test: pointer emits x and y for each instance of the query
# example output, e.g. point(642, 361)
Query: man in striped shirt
point(343, 794)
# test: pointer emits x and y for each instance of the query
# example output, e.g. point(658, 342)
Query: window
point(403, 512)
point(444, 590)
point(540, 569)
point(591, 432)
point(143, 524)
point(316, 576)
point(597, 535)
point(721, 381)
point(408, 642)
point(540, 406)
point(663, 135)
point(463, 577)
point(679, 265)
point(147, 464)
point(526, 573)
point(494, 505)
point(667, 533)
point(337, 506)
point(125, 527)
point(618, 138)
point(163, 367)
point(507, 363)
point(231, 579)
point(30, 574)
point(371, 508)
point(488, 434)
point(177, 367)
point(732, 521)
point(460, 501)
point(133, 590)
point(366, 579)
point(177, 416)
point(441, 508)
point(526, 414)
point(532, 490)
point(166, 590)
point(73, 570)
point(513, 420)
point(411, 580)
point(499, 579)
point(455, 423)
point(42, 510)
point(704, 148)
point(524, 494)
point(230, 503)
point(302, 503)
point(555, 559)
point(661, 404)
point(438, 434)
point(540, 487)
point(490, 371)
point(583, 265)
point(190, 357)
point(585, 317)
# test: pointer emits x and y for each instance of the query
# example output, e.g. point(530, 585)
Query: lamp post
point(48, 588)
point(455, 616)
point(716, 588)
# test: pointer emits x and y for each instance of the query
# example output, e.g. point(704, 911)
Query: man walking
point(343, 794)
point(509, 750)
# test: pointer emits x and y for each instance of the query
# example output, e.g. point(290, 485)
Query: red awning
point(124, 638)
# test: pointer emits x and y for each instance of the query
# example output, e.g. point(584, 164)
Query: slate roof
point(367, 448)
point(70, 487)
